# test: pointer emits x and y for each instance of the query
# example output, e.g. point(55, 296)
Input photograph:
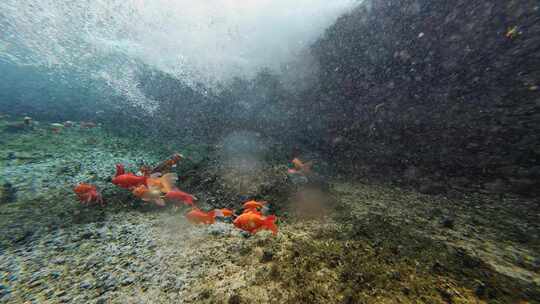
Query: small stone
point(12, 277)
point(108, 285)
point(55, 274)
point(102, 300)
point(85, 285)
point(448, 222)
point(35, 283)
point(4, 290)
point(127, 281)
point(267, 256)
point(86, 235)
point(235, 299)
point(481, 290)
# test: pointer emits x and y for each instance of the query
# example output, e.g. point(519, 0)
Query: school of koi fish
point(158, 186)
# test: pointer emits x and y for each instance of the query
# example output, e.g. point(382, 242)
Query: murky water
point(269, 151)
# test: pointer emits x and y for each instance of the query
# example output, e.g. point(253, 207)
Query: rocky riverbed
point(372, 244)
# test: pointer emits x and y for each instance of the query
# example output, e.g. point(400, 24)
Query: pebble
point(4, 290)
point(12, 277)
point(127, 281)
point(55, 274)
point(267, 256)
point(85, 285)
point(34, 284)
point(448, 222)
point(110, 284)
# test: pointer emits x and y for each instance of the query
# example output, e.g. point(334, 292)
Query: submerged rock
point(7, 193)
point(429, 187)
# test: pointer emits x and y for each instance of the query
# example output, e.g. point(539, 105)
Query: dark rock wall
point(446, 89)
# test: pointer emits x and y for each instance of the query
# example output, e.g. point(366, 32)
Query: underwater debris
point(513, 32)
point(168, 164)
point(87, 124)
point(56, 127)
point(27, 120)
point(14, 127)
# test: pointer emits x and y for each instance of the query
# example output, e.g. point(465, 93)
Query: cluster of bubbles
point(199, 42)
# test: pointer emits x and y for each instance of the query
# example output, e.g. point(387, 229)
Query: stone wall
point(432, 90)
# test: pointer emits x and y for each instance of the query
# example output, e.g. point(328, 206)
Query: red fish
point(252, 210)
point(88, 193)
point(197, 216)
point(129, 180)
point(253, 222)
point(151, 194)
point(179, 196)
point(300, 167)
point(254, 204)
point(224, 212)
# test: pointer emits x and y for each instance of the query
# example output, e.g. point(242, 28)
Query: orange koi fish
point(254, 204)
point(253, 222)
point(179, 196)
point(129, 180)
point(300, 167)
point(88, 193)
point(249, 210)
point(197, 216)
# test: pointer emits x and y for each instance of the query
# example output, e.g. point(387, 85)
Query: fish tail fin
point(169, 182)
point(270, 224)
